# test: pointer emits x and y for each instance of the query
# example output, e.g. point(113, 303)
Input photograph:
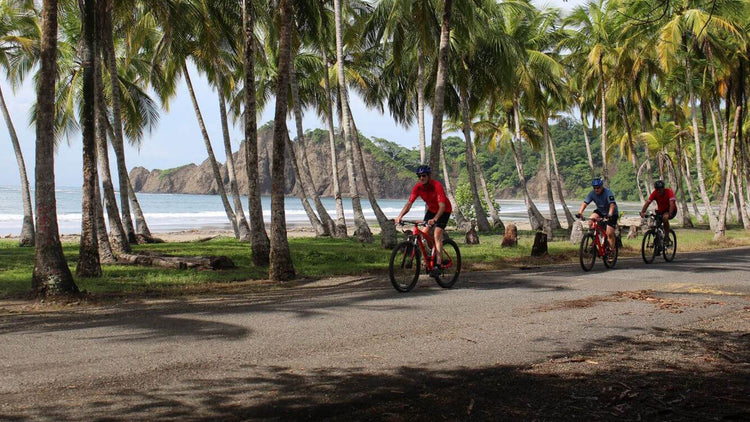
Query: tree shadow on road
point(681, 375)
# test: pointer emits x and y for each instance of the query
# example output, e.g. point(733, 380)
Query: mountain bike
point(656, 241)
point(595, 243)
point(407, 256)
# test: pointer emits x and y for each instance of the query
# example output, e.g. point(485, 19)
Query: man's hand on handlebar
point(579, 216)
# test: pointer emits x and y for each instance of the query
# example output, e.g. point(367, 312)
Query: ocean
point(177, 212)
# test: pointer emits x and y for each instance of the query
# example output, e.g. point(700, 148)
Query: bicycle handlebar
point(415, 222)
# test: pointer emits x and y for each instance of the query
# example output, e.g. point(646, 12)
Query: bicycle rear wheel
point(648, 247)
point(670, 248)
point(450, 265)
point(610, 259)
point(587, 253)
point(404, 266)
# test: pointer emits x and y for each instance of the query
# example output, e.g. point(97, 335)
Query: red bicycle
point(406, 258)
point(594, 243)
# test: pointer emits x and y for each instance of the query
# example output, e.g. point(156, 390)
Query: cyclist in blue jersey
point(606, 207)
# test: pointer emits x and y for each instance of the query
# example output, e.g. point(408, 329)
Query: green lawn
point(313, 258)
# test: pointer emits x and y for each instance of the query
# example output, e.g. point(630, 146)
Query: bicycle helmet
point(659, 184)
point(597, 182)
point(423, 170)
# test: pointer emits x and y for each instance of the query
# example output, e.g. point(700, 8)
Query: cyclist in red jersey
point(666, 203)
point(438, 209)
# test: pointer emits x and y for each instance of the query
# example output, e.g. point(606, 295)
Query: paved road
point(250, 355)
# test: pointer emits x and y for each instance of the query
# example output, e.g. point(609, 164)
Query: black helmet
point(597, 182)
point(659, 184)
point(423, 170)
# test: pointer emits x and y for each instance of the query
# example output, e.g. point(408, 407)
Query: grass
point(313, 258)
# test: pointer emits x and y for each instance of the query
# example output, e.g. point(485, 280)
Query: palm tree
point(595, 36)
point(88, 257)
point(118, 143)
point(440, 81)
point(51, 274)
point(281, 267)
point(15, 20)
point(260, 244)
point(362, 230)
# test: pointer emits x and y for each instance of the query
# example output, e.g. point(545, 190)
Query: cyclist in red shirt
point(438, 209)
point(666, 203)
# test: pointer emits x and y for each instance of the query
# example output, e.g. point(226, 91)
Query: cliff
point(387, 178)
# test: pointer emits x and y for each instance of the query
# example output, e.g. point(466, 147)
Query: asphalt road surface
point(340, 349)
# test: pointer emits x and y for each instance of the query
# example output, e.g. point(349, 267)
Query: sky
point(177, 140)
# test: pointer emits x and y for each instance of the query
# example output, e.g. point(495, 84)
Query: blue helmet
point(597, 182)
point(423, 170)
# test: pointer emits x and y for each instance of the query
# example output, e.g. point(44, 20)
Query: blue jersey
point(602, 201)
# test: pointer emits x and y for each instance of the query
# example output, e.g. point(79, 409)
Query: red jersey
point(662, 201)
point(433, 194)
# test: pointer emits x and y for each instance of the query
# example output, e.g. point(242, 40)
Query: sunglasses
point(422, 175)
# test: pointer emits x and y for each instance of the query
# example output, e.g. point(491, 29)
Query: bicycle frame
point(600, 232)
point(420, 238)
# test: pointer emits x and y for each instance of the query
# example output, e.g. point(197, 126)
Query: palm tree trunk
point(681, 189)
point(688, 178)
point(585, 125)
point(535, 217)
point(450, 193)
point(242, 226)
point(388, 235)
point(442, 76)
point(259, 242)
point(27, 229)
point(603, 89)
point(106, 256)
point(303, 192)
point(497, 223)
point(741, 197)
point(482, 223)
point(211, 157)
point(119, 237)
point(88, 255)
point(281, 267)
point(554, 220)
point(631, 144)
point(51, 274)
point(698, 160)
point(118, 140)
point(420, 106)
point(329, 227)
point(644, 128)
point(559, 185)
point(721, 227)
point(340, 218)
point(362, 231)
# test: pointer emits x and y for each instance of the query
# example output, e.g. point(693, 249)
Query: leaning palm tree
point(280, 267)
point(18, 37)
point(51, 274)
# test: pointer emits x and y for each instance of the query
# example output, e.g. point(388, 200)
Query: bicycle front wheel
point(671, 247)
point(648, 247)
point(404, 266)
point(610, 256)
point(587, 253)
point(450, 265)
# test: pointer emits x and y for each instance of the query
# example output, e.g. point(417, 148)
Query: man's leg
point(665, 220)
point(438, 245)
point(611, 236)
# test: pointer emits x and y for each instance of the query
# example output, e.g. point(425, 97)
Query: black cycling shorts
point(441, 222)
point(612, 222)
point(671, 215)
